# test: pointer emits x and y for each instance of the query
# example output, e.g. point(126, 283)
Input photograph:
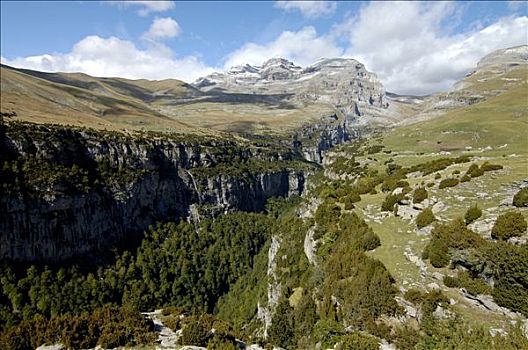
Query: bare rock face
point(54, 224)
point(344, 83)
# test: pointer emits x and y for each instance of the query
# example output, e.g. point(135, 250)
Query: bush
point(370, 241)
point(391, 184)
point(430, 184)
point(451, 282)
point(172, 322)
point(472, 214)
point(509, 225)
point(438, 176)
point(521, 198)
point(474, 171)
point(196, 331)
point(448, 183)
point(359, 341)
point(448, 237)
point(281, 332)
point(474, 286)
point(490, 167)
point(509, 264)
point(425, 218)
point(419, 195)
point(414, 296)
point(350, 199)
point(390, 200)
point(465, 178)
point(327, 332)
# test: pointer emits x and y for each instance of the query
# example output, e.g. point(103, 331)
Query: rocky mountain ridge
point(343, 83)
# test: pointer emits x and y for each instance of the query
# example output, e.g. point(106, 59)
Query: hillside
point(173, 106)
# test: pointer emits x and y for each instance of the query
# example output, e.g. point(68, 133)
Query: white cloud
point(107, 57)
point(162, 28)
point(302, 47)
point(147, 7)
point(406, 45)
point(309, 9)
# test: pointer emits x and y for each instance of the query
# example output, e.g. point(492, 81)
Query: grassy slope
point(116, 104)
point(497, 131)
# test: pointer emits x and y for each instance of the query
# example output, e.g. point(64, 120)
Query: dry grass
point(121, 104)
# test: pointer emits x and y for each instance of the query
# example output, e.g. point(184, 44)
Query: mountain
point(343, 83)
point(276, 98)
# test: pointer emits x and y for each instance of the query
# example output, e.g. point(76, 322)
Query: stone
point(407, 212)
point(438, 276)
point(51, 347)
point(433, 286)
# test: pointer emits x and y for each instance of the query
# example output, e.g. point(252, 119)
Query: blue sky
point(414, 47)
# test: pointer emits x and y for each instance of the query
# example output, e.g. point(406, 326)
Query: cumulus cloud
point(309, 9)
point(302, 47)
point(106, 57)
point(162, 28)
point(146, 7)
point(407, 45)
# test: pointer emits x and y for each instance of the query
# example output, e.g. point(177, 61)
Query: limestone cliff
point(128, 183)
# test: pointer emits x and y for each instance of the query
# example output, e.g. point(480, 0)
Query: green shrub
point(438, 176)
point(196, 331)
point(490, 167)
point(430, 184)
point(350, 199)
point(370, 241)
point(173, 322)
point(465, 178)
point(374, 149)
point(406, 337)
point(281, 332)
point(449, 237)
point(365, 184)
point(391, 184)
point(472, 214)
point(172, 310)
point(390, 200)
point(474, 286)
point(521, 198)
point(419, 195)
point(456, 172)
point(327, 332)
point(474, 171)
point(451, 282)
point(414, 296)
point(509, 225)
point(509, 264)
point(425, 218)
point(359, 341)
point(448, 183)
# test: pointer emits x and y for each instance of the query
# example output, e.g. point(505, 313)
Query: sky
point(414, 47)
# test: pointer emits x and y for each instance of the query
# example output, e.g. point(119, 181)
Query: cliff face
point(147, 181)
